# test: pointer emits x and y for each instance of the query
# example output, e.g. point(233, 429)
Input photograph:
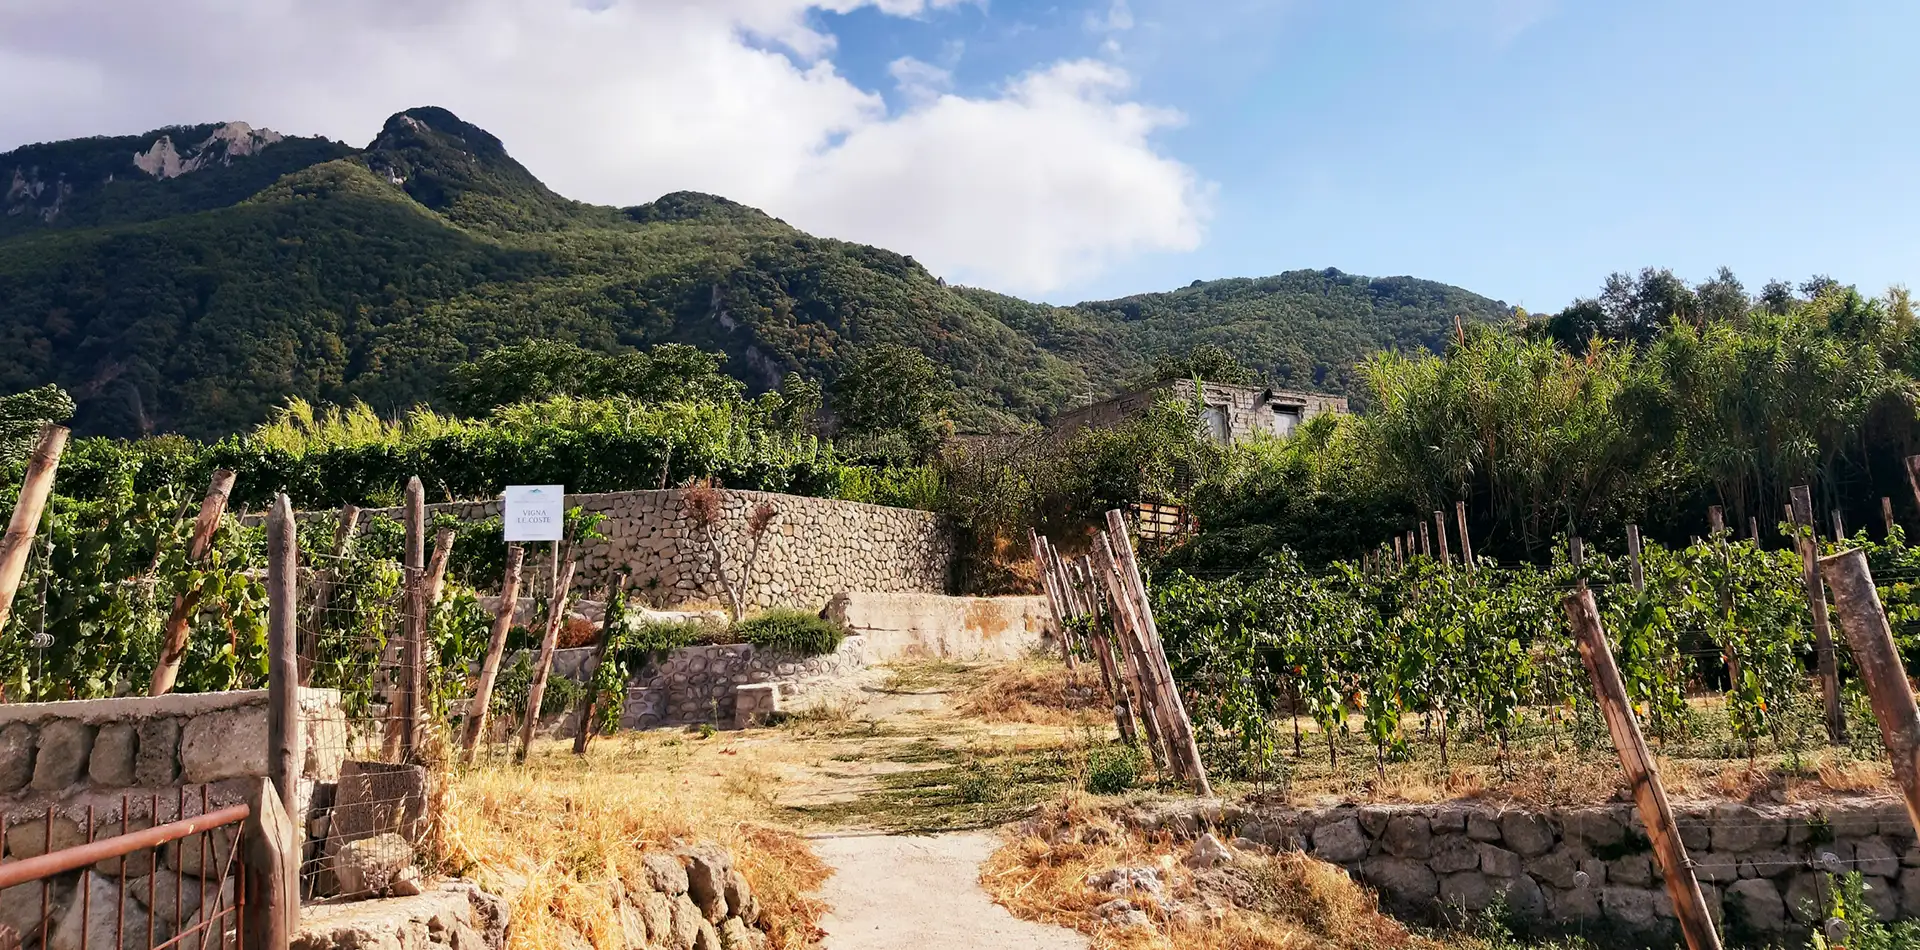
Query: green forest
point(198, 304)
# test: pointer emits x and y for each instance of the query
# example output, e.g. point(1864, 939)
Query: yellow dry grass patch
point(554, 836)
point(1282, 902)
point(1043, 692)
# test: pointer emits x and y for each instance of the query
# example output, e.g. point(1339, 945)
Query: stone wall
point(1590, 870)
point(71, 755)
point(817, 547)
point(704, 684)
point(931, 626)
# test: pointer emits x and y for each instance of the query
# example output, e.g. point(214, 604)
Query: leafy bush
point(796, 631)
point(1113, 769)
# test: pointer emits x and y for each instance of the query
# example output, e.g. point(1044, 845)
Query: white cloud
point(919, 81)
point(1050, 179)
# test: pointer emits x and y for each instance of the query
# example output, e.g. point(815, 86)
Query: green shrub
point(795, 631)
point(1113, 769)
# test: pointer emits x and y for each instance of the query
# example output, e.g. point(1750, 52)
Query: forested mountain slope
point(190, 279)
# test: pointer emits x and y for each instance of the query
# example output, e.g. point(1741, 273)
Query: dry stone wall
point(816, 547)
point(704, 684)
point(1764, 869)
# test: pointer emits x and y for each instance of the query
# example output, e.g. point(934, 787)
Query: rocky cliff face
point(228, 142)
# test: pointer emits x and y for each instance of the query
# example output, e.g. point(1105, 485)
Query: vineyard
point(1390, 661)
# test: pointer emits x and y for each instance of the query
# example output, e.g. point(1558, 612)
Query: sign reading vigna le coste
point(535, 512)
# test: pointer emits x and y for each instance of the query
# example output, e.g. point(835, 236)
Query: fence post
point(173, 641)
point(1440, 538)
point(1399, 554)
point(1753, 529)
point(1839, 528)
point(1913, 477)
point(284, 753)
point(1806, 536)
point(1466, 542)
point(1886, 514)
point(1426, 540)
point(413, 688)
point(1716, 521)
point(437, 565)
point(270, 870)
point(496, 644)
point(1682, 886)
point(1880, 666)
point(34, 489)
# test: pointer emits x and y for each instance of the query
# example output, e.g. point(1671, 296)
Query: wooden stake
point(17, 543)
point(1753, 529)
point(1184, 745)
point(1839, 528)
point(173, 638)
point(437, 565)
point(1689, 905)
point(1828, 665)
point(1886, 514)
point(413, 666)
point(1577, 550)
point(1466, 541)
point(284, 752)
point(583, 732)
point(496, 645)
point(1426, 541)
point(1880, 666)
point(1716, 521)
point(1440, 538)
point(1633, 558)
point(1126, 625)
point(1399, 554)
point(556, 618)
point(1050, 586)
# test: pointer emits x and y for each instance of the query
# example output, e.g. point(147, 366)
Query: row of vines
point(104, 573)
point(1371, 657)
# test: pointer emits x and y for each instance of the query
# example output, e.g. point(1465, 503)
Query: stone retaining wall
point(703, 684)
point(816, 548)
point(1590, 870)
point(69, 755)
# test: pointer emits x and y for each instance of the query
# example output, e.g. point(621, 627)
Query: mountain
point(191, 278)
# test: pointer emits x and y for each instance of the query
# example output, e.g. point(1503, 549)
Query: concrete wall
point(68, 756)
point(927, 626)
point(816, 548)
point(1249, 411)
point(1589, 870)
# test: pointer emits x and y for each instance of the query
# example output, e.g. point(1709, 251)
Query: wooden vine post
point(173, 639)
point(1886, 514)
point(1880, 666)
point(1182, 743)
point(284, 737)
point(1049, 584)
point(1126, 626)
point(1689, 905)
point(1440, 538)
point(1082, 600)
point(1716, 522)
point(17, 543)
point(437, 565)
point(536, 693)
point(1466, 540)
point(1753, 529)
point(1828, 665)
point(1426, 541)
point(496, 645)
point(583, 724)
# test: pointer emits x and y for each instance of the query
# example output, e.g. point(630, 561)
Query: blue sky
point(1519, 148)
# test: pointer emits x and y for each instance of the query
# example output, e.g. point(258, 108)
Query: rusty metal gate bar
point(215, 910)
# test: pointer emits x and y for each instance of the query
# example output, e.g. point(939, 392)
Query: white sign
point(535, 512)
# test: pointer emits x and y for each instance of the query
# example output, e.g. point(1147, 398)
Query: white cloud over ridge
point(1051, 179)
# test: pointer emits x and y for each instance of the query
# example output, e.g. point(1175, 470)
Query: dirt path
point(896, 892)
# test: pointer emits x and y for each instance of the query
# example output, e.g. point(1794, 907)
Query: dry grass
point(1039, 691)
point(1278, 902)
point(553, 836)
